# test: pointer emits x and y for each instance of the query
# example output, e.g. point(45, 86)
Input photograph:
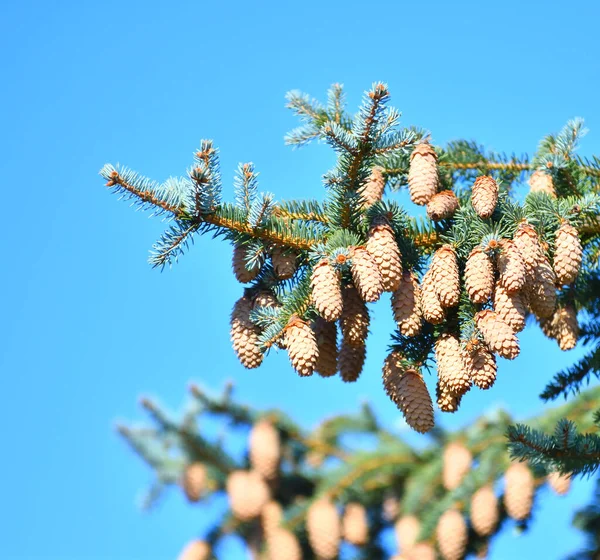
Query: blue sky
point(87, 326)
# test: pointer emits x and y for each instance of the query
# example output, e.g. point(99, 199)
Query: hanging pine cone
point(481, 365)
point(446, 280)
point(422, 551)
point(528, 243)
point(560, 483)
point(264, 299)
point(243, 274)
point(284, 262)
point(323, 527)
point(271, 517)
point(248, 493)
point(244, 334)
point(484, 195)
point(423, 179)
point(406, 305)
point(510, 308)
point(479, 276)
point(565, 327)
point(283, 545)
point(451, 533)
point(382, 246)
point(568, 254)
point(442, 206)
point(407, 529)
point(484, 511)
point(541, 291)
point(301, 345)
point(355, 527)
point(195, 550)
point(372, 191)
point(355, 319)
point(265, 449)
point(326, 291)
point(431, 308)
point(518, 491)
point(366, 275)
point(194, 481)
point(457, 463)
point(351, 360)
point(497, 334)
point(511, 267)
point(541, 181)
point(447, 400)
point(451, 368)
point(326, 336)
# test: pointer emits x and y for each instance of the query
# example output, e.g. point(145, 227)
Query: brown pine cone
point(271, 517)
point(560, 483)
point(481, 365)
point(565, 327)
point(301, 345)
point(244, 334)
point(326, 291)
point(406, 305)
point(366, 275)
point(284, 262)
point(528, 243)
point(323, 528)
point(422, 551)
point(372, 191)
point(283, 545)
point(195, 550)
point(355, 319)
point(484, 195)
point(518, 491)
point(194, 481)
point(542, 182)
point(479, 276)
point(351, 360)
point(264, 298)
point(447, 400)
point(510, 308)
point(423, 179)
point(326, 336)
point(431, 308)
point(568, 254)
point(511, 267)
point(451, 368)
point(442, 206)
point(242, 274)
point(541, 291)
point(407, 529)
point(451, 532)
point(484, 511)
point(457, 463)
point(265, 449)
point(355, 527)
point(446, 280)
point(382, 246)
point(248, 493)
point(497, 334)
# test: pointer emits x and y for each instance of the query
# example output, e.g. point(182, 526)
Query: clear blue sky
point(87, 326)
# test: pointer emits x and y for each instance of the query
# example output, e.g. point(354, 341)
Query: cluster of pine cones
point(505, 278)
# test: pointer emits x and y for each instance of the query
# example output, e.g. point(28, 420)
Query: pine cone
point(447, 400)
point(560, 483)
point(326, 336)
point(481, 365)
point(422, 551)
point(351, 361)
point(457, 463)
point(511, 267)
point(244, 334)
point(451, 532)
point(407, 529)
point(518, 491)
point(323, 527)
point(301, 345)
point(432, 309)
point(479, 276)
point(568, 254)
point(565, 327)
point(497, 334)
point(355, 320)
point(326, 291)
point(542, 182)
point(527, 242)
point(242, 273)
point(372, 191)
point(446, 281)
point(195, 550)
point(510, 308)
point(541, 291)
point(442, 206)
point(382, 246)
point(484, 195)
point(406, 305)
point(271, 517)
point(484, 511)
point(264, 298)
point(423, 180)
point(284, 262)
point(265, 449)
point(355, 527)
point(248, 493)
point(193, 481)
point(451, 367)
point(283, 545)
point(366, 275)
